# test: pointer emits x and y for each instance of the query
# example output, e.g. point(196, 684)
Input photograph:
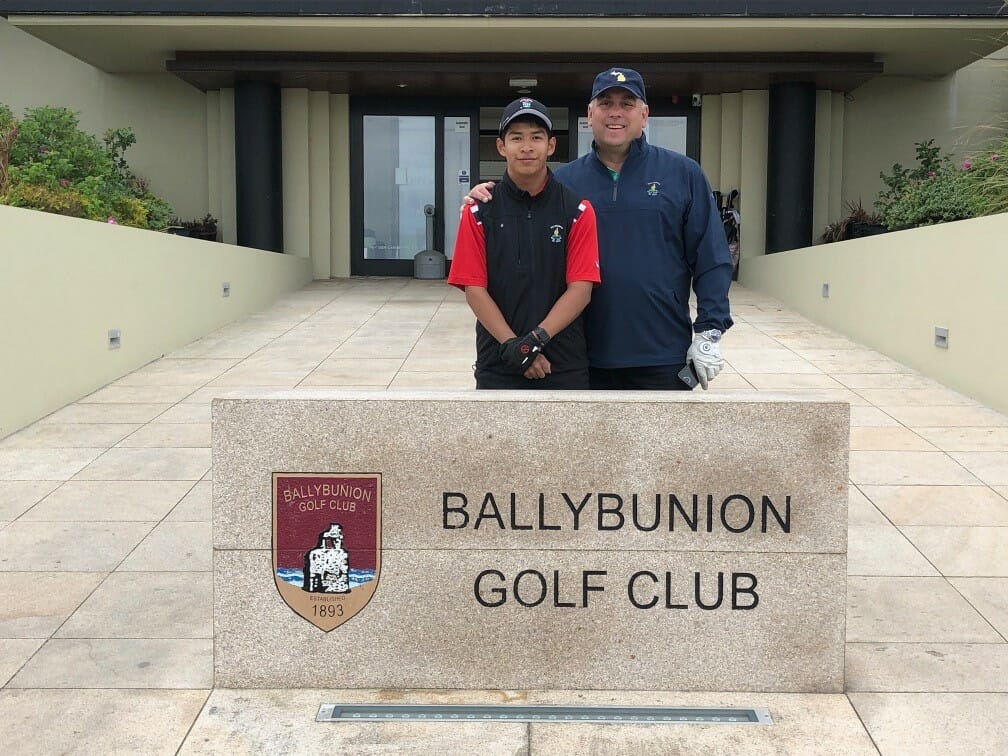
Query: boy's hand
point(540, 368)
point(519, 352)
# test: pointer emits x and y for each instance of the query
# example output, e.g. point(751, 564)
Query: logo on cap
point(618, 75)
point(526, 103)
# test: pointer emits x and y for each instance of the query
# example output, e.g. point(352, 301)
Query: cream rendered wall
point(890, 291)
point(296, 182)
point(339, 172)
point(320, 203)
point(64, 282)
point(753, 173)
point(168, 115)
point(710, 139)
point(886, 116)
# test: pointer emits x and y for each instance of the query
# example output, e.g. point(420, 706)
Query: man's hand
point(705, 354)
point(480, 192)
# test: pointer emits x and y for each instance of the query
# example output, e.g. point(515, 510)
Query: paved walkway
point(105, 551)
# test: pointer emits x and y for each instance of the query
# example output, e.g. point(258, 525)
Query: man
point(528, 260)
point(659, 234)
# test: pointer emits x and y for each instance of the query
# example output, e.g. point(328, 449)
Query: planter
point(859, 230)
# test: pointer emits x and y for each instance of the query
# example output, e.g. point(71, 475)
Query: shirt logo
point(556, 234)
point(618, 75)
point(653, 187)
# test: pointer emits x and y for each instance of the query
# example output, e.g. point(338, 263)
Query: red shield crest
point(326, 543)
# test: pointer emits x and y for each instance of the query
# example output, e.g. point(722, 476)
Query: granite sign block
point(497, 540)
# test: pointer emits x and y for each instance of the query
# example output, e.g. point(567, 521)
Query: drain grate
point(619, 714)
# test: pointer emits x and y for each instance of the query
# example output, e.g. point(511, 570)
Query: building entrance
point(408, 155)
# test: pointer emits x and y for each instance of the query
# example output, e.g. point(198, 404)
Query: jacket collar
point(638, 147)
point(518, 193)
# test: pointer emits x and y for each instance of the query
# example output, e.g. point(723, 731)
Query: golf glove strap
point(705, 354)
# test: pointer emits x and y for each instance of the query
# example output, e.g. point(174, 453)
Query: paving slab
point(17, 497)
point(120, 722)
point(912, 610)
point(14, 652)
point(119, 663)
point(939, 505)
point(803, 724)
point(45, 464)
point(68, 546)
point(989, 596)
point(148, 464)
point(195, 506)
point(146, 605)
point(938, 724)
point(963, 552)
point(34, 605)
point(919, 667)
point(98, 501)
point(173, 547)
point(283, 721)
point(883, 550)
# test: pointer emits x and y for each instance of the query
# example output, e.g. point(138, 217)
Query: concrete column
point(823, 145)
point(710, 139)
point(227, 180)
point(836, 156)
point(753, 178)
point(318, 179)
point(790, 165)
point(731, 141)
point(259, 165)
point(213, 113)
point(296, 181)
point(339, 182)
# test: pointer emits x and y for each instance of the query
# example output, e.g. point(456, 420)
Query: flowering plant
point(50, 164)
point(933, 191)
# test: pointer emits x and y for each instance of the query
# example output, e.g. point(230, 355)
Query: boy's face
point(526, 146)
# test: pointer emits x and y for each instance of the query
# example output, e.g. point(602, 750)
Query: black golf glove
point(519, 352)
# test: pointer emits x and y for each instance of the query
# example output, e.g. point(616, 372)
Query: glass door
point(410, 163)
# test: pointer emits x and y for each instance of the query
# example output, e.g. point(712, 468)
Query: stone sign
point(571, 540)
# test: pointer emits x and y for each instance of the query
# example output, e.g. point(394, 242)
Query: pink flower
point(967, 165)
point(43, 148)
point(994, 156)
point(64, 182)
point(931, 174)
point(112, 220)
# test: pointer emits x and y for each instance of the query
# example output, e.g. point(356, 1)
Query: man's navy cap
point(525, 106)
point(627, 78)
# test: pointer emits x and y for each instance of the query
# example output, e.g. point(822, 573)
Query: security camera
point(697, 100)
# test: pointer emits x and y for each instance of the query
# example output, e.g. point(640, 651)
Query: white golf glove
point(705, 354)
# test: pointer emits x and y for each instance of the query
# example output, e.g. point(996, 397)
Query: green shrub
point(933, 191)
point(52, 165)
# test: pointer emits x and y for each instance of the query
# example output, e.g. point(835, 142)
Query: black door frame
point(437, 108)
point(440, 108)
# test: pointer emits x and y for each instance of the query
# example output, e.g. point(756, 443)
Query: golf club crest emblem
point(653, 187)
point(556, 234)
point(326, 543)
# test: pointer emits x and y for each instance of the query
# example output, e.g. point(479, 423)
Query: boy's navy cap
point(627, 78)
point(525, 106)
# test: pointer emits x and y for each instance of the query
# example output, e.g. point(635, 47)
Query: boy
point(527, 261)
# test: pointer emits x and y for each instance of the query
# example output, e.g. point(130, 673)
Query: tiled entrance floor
point(105, 585)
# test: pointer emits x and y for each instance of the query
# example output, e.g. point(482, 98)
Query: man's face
point(526, 146)
point(617, 117)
